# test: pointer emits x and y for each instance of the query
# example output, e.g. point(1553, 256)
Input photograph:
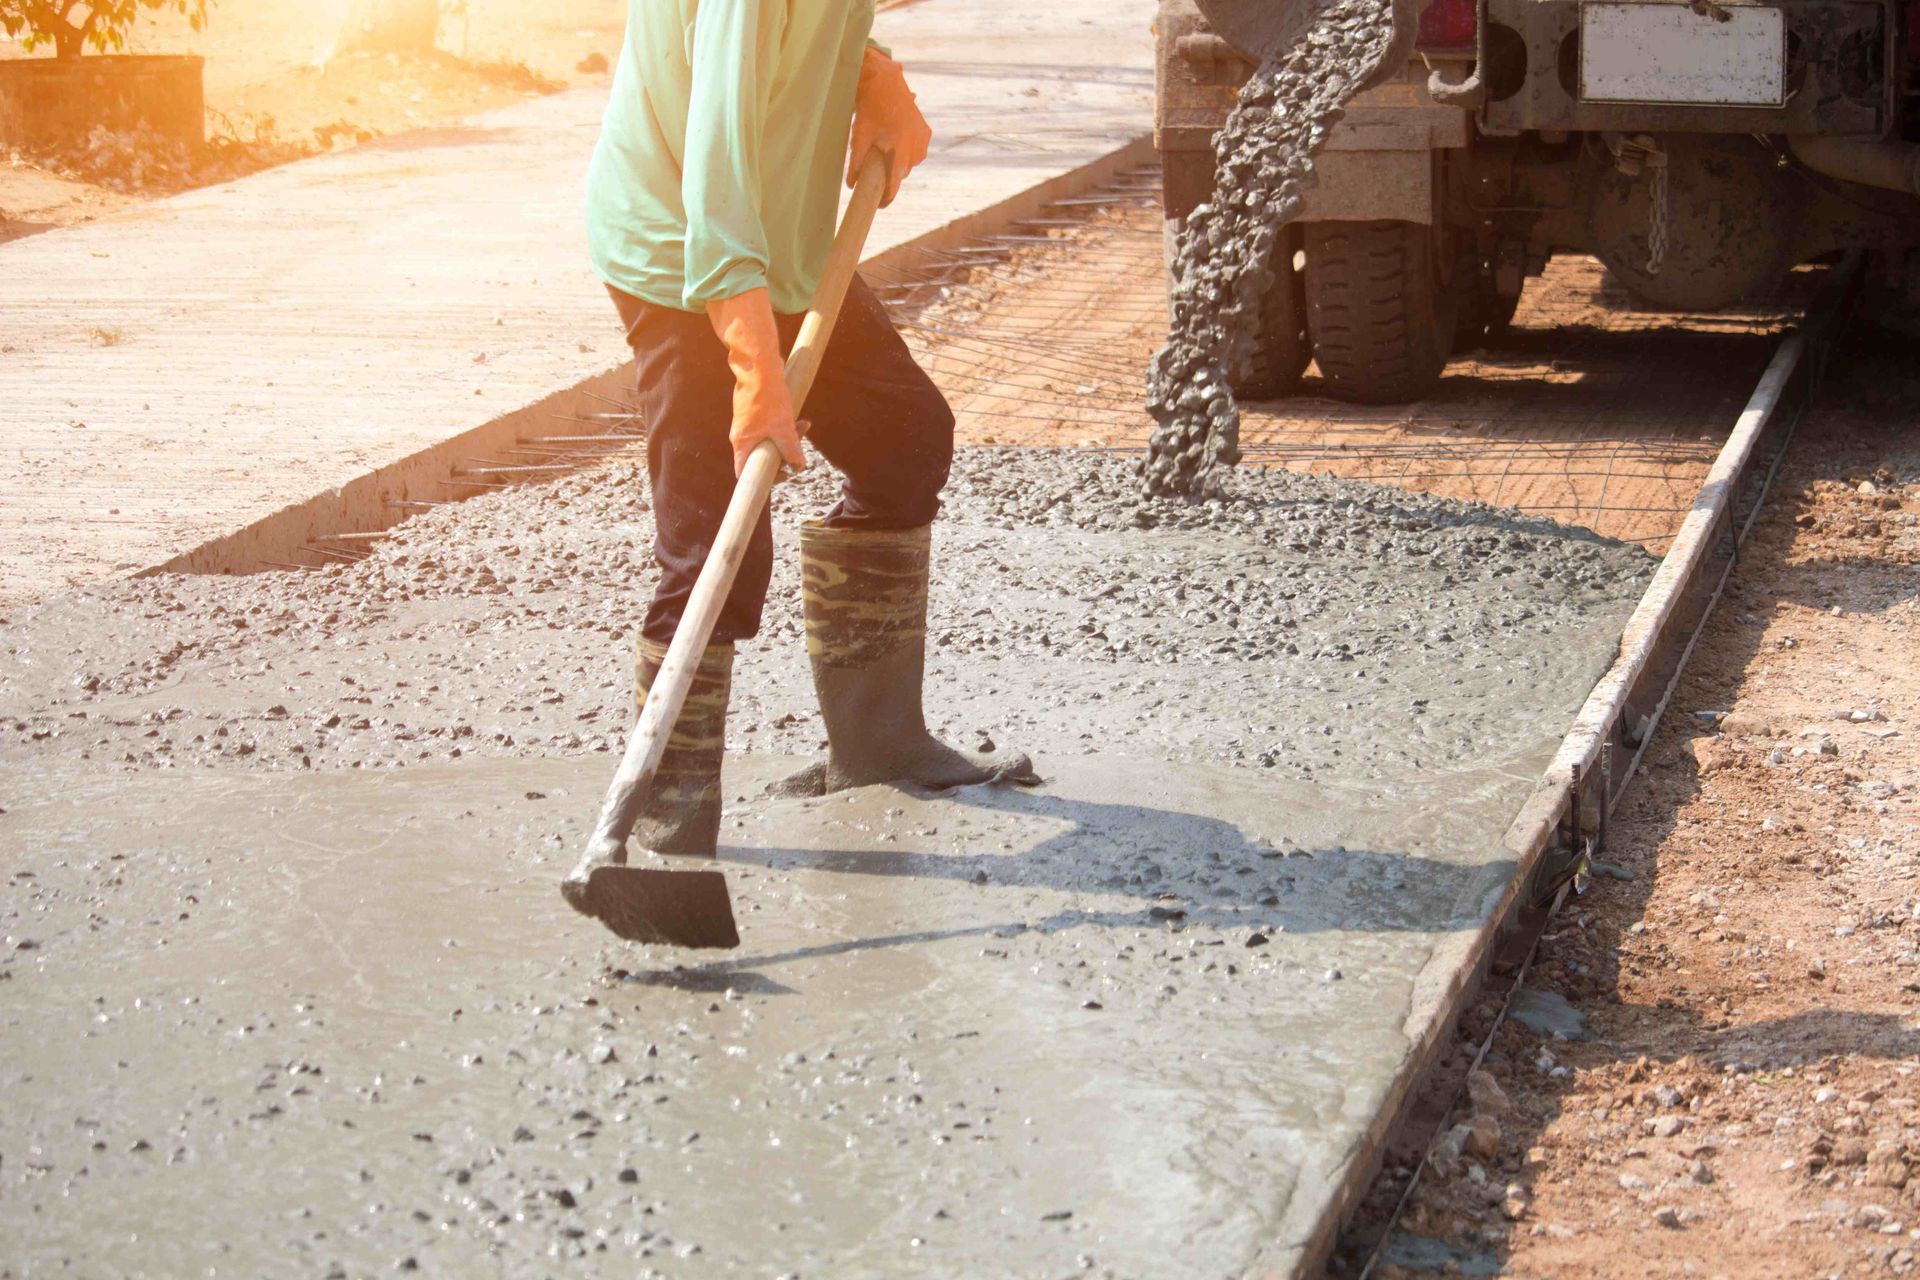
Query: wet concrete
point(287, 988)
point(976, 1035)
point(1263, 168)
point(1303, 626)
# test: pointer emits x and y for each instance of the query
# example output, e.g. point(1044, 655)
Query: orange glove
point(886, 119)
point(762, 409)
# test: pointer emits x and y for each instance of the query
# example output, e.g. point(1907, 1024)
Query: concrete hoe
point(692, 908)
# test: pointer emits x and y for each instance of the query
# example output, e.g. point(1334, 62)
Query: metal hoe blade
point(667, 908)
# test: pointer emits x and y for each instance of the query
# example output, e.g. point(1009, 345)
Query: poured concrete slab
point(187, 368)
point(263, 825)
point(345, 1019)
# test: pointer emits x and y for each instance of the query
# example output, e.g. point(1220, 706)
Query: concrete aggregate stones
point(1264, 165)
point(1315, 610)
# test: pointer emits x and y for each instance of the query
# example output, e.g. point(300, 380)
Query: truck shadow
point(1548, 382)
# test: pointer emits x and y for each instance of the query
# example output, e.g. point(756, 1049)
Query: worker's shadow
point(1184, 869)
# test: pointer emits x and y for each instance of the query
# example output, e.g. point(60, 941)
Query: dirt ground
point(275, 92)
point(1744, 1103)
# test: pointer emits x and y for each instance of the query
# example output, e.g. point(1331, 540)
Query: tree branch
point(43, 17)
point(106, 25)
point(68, 40)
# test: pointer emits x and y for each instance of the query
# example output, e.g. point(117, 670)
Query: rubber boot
point(681, 812)
point(864, 595)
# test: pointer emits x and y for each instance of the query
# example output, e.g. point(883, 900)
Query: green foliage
point(71, 26)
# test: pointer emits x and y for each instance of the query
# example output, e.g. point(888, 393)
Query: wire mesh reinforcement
point(1590, 411)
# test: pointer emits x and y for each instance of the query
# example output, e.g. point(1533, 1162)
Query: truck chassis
point(1700, 150)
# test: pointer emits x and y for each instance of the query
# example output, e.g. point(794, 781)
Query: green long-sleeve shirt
point(721, 156)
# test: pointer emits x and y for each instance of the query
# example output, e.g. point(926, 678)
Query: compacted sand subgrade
point(1589, 410)
point(289, 989)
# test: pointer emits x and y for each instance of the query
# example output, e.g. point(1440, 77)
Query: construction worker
point(712, 200)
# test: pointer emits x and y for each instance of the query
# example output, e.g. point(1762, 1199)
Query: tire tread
point(1380, 333)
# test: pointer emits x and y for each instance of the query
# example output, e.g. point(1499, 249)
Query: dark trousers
point(876, 416)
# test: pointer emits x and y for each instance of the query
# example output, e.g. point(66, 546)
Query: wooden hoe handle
point(669, 692)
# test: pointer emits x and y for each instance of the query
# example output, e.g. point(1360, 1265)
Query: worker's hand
point(886, 120)
point(762, 409)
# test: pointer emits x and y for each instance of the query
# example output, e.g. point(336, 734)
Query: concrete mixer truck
point(1699, 148)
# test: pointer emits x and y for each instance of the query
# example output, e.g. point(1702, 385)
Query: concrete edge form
point(1599, 755)
point(1562, 824)
point(379, 498)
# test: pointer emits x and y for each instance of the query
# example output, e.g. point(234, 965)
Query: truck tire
point(1380, 308)
point(1281, 348)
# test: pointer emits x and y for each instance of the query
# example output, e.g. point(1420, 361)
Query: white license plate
point(1667, 53)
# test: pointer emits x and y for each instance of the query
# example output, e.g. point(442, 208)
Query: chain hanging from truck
point(1641, 156)
point(1657, 220)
